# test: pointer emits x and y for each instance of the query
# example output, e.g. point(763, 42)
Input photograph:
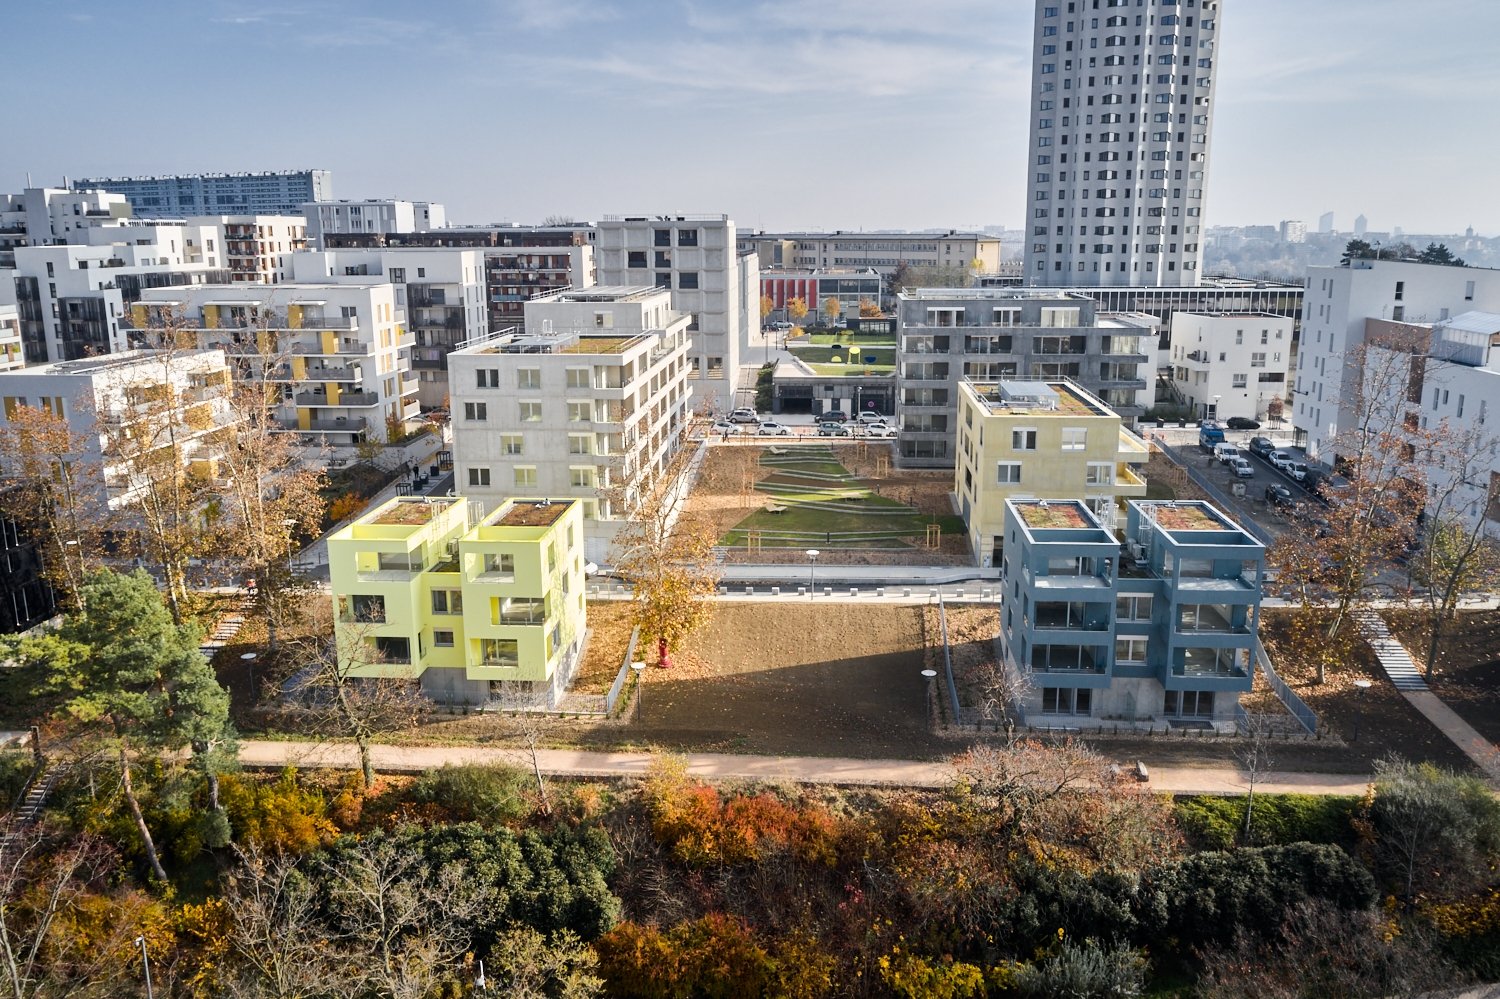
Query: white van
point(1226, 453)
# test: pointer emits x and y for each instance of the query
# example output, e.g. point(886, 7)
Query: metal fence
point(615, 688)
point(948, 665)
point(1294, 704)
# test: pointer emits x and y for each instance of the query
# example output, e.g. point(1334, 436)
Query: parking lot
point(1249, 506)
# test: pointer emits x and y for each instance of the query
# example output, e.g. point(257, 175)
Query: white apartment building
point(337, 353)
point(696, 258)
point(97, 396)
point(258, 248)
point(381, 215)
point(1121, 118)
point(1338, 302)
point(11, 357)
point(594, 393)
point(885, 252)
point(277, 192)
point(44, 216)
point(72, 299)
point(1230, 364)
point(1293, 231)
point(442, 291)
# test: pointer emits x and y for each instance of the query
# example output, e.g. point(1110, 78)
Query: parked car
point(743, 416)
point(770, 428)
point(1226, 453)
point(1241, 423)
point(1279, 495)
point(880, 432)
point(1297, 470)
point(1242, 468)
point(832, 416)
point(725, 427)
point(1279, 460)
point(1262, 446)
point(834, 430)
point(870, 416)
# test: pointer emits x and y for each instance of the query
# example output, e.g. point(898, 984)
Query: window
point(1130, 650)
point(1258, 360)
point(1190, 703)
point(662, 237)
point(500, 564)
point(1023, 440)
point(580, 412)
point(475, 412)
point(1133, 608)
point(1067, 701)
point(688, 280)
point(442, 639)
point(580, 443)
point(529, 378)
point(487, 377)
point(1074, 438)
point(635, 258)
point(1241, 381)
point(500, 651)
point(447, 601)
point(1008, 473)
point(531, 412)
point(579, 378)
point(367, 608)
point(687, 237)
point(479, 476)
point(604, 320)
point(525, 475)
point(510, 444)
point(1099, 473)
point(581, 477)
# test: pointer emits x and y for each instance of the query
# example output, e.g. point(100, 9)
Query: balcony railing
point(348, 425)
point(329, 322)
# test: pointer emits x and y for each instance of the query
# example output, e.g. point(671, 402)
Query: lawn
point(872, 358)
point(863, 339)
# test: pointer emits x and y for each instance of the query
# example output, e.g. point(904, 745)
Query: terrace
point(527, 514)
point(408, 513)
point(1052, 398)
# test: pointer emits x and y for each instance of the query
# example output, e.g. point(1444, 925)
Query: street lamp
point(812, 571)
point(639, 668)
point(1359, 705)
point(145, 963)
point(249, 659)
point(928, 675)
point(479, 980)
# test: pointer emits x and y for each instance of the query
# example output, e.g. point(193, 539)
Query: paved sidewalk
point(722, 766)
point(1402, 670)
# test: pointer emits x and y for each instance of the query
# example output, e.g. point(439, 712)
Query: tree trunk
point(661, 653)
point(541, 785)
point(366, 767)
point(140, 820)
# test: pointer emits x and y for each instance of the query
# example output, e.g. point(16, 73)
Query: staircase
point(228, 626)
point(1394, 658)
point(29, 807)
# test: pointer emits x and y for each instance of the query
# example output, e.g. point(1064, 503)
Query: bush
point(281, 816)
point(1214, 823)
point(489, 795)
point(1084, 971)
point(1432, 831)
point(716, 957)
point(15, 769)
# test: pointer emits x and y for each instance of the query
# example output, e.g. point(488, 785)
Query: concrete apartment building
point(1121, 119)
point(815, 286)
point(438, 591)
point(183, 195)
point(593, 394)
point(1230, 365)
point(258, 248)
point(369, 216)
point(99, 397)
point(884, 252)
point(442, 292)
point(71, 299)
point(519, 263)
point(11, 354)
point(1039, 440)
point(337, 353)
point(1339, 302)
point(1164, 627)
point(45, 216)
point(696, 257)
point(946, 335)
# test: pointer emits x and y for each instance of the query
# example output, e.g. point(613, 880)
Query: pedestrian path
point(1402, 670)
point(1394, 658)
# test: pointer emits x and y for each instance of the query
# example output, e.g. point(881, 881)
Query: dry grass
point(532, 514)
point(410, 514)
point(1053, 515)
point(609, 634)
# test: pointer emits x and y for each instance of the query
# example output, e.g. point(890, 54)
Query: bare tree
point(1001, 693)
point(530, 727)
point(39, 880)
point(1254, 755)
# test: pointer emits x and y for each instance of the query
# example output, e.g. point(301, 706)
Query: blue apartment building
point(1160, 626)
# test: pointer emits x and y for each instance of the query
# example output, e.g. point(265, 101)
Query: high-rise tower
point(1121, 113)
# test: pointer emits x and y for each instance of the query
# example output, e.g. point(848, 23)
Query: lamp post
point(1359, 705)
point(639, 668)
point(928, 675)
point(479, 980)
point(812, 571)
point(249, 659)
point(145, 963)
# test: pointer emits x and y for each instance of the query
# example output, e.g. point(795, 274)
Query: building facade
point(1164, 627)
point(883, 252)
point(594, 394)
point(184, 195)
point(47, 216)
point(946, 335)
point(11, 354)
point(463, 602)
point(1039, 440)
point(1121, 118)
point(1230, 365)
point(380, 216)
point(814, 286)
point(1339, 302)
point(696, 258)
point(338, 355)
point(258, 248)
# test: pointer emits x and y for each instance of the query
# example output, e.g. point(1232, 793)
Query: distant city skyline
point(785, 115)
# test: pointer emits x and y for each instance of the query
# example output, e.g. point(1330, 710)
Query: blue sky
point(782, 113)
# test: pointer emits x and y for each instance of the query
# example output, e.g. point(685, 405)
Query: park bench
point(778, 450)
point(775, 508)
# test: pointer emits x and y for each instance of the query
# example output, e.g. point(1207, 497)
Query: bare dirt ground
point(782, 678)
point(725, 494)
point(1387, 722)
point(609, 635)
point(1468, 663)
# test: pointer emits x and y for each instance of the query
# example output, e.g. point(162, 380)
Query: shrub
point(1084, 971)
point(914, 977)
point(715, 957)
point(15, 768)
point(489, 795)
point(1431, 831)
point(280, 816)
point(1214, 823)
